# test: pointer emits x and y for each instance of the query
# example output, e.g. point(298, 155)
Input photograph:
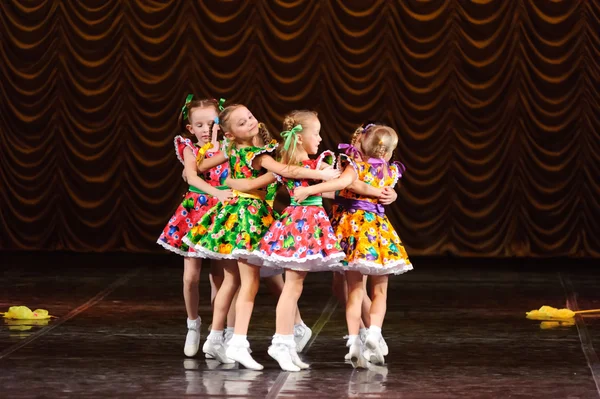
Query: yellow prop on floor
point(550, 313)
point(24, 313)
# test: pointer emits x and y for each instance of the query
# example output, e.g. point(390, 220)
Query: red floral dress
point(194, 204)
point(302, 238)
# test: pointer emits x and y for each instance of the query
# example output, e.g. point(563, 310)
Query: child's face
point(242, 124)
point(311, 136)
point(201, 120)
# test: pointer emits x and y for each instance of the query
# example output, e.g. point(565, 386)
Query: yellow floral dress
point(366, 235)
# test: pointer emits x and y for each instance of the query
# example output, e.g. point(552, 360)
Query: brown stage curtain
point(496, 102)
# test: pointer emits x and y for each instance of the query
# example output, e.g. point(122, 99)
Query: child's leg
point(379, 285)
point(213, 347)
point(238, 347)
point(355, 297)
point(339, 288)
point(284, 348)
point(374, 341)
point(275, 285)
point(191, 278)
point(225, 295)
point(216, 277)
point(288, 301)
point(354, 281)
point(366, 306)
point(231, 313)
point(250, 280)
point(191, 296)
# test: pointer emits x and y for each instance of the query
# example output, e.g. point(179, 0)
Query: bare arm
point(294, 172)
point(247, 185)
point(194, 180)
point(361, 188)
point(209, 163)
point(348, 177)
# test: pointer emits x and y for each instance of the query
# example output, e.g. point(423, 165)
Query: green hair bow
point(290, 137)
point(185, 110)
point(222, 104)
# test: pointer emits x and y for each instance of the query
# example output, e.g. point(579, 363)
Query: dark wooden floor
point(455, 328)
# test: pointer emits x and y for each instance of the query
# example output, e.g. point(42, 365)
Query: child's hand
point(224, 195)
point(329, 173)
point(388, 196)
point(215, 137)
point(301, 193)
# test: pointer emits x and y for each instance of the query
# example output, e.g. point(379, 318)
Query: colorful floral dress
point(371, 244)
point(302, 238)
point(232, 229)
point(266, 272)
point(194, 205)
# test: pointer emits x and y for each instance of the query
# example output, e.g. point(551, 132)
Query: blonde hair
point(191, 106)
point(380, 141)
point(302, 118)
point(225, 123)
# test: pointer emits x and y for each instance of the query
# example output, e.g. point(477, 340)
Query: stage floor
point(455, 328)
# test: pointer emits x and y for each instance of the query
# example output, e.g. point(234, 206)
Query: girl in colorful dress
point(385, 196)
point(199, 119)
point(272, 277)
point(302, 239)
point(371, 244)
point(231, 230)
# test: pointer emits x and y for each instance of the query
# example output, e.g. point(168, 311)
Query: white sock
point(363, 331)
point(288, 339)
point(238, 340)
point(229, 329)
point(375, 330)
point(302, 324)
point(351, 339)
point(215, 335)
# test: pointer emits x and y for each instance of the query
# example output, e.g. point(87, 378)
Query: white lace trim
point(177, 250)
point(267, 148)
point(322, 156)
point(310, 263)
point(187, 142)
point(376, 269)
point(351, 162)
point(396, 173)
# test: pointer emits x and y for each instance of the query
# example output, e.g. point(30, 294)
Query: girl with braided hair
point(371, 244)
point(198, 123)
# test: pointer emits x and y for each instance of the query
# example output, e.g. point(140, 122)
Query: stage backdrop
point(496, 103)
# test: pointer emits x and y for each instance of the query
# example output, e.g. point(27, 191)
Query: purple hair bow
point(349, 150)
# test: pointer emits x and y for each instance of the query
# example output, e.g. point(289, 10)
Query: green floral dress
point(232, 229)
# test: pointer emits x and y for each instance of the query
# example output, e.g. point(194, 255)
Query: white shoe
point(373, 354)
point(242, 355)
point(297, 361)
point(384, 348)
point(302, 335)
point(207, 355)
point(205, 350)
point(281, 353)
point(362, 334)
point(216, 349)
point(354, 349)
point(192, 340)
